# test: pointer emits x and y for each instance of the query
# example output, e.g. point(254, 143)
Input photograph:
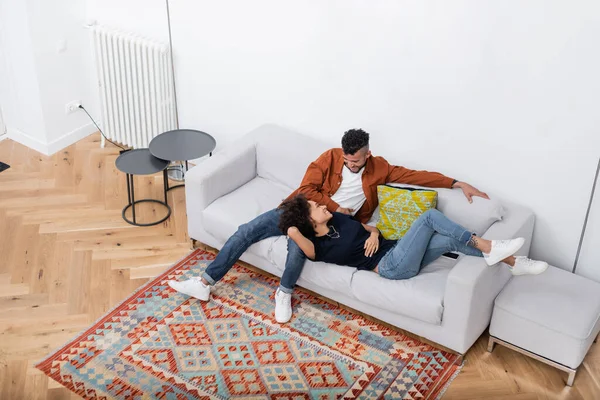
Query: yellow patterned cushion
point(400, 207)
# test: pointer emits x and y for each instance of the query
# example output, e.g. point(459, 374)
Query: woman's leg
point(414, 250)
point(440, 244)
point(404, 260)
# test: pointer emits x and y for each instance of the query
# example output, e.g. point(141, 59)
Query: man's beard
point(357, 171)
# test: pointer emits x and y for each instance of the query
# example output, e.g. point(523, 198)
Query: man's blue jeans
point(430, 236)
point(262, 227)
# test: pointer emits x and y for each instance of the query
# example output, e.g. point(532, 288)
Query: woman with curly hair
point(338, 239)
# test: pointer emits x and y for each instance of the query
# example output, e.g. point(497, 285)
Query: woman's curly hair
point(296, 212)
point(354, 140)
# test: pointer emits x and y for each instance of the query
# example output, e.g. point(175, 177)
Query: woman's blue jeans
point(264, 226)
point(430, 236)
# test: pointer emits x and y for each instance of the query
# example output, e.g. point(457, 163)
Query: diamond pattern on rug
point(189, 334)
point(163, 344)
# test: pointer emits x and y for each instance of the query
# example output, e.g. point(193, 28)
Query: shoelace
point(285, 299)
point(502, 243)
point(525, 261)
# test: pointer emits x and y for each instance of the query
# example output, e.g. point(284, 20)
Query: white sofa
point(450, 302)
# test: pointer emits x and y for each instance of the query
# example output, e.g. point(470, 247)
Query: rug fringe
point(111, 311)
point(449, 382)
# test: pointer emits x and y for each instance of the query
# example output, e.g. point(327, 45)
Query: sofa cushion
point(328, 276)
point(420, 297)
point(283, 155)
point(400, 207)
point(476, 217)
point(223, 217)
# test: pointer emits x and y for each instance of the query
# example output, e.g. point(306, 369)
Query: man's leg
point(294, 264)
point(293, 267)
point(261, 227)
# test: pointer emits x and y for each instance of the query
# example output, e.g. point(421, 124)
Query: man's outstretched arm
point(399, 174)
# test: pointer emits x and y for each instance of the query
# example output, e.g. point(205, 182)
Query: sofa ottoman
point(552, 317)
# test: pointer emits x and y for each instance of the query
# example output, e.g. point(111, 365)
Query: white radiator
point(136, 86)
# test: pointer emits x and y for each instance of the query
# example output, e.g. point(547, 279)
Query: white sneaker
point(283, 306)
point(527, 266)
point(192, 287)
point(502, 249)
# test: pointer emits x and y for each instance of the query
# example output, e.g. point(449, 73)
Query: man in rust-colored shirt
point(345, 180)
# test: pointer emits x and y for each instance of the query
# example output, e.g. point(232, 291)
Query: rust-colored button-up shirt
point(324, 176)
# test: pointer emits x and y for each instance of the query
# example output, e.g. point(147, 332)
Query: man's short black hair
point(296, 212)
point(354, 140)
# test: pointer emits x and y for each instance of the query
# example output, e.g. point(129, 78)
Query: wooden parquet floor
point(67, 257)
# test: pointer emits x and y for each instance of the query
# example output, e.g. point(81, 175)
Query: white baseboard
point(26, 140)
point(71, 137)
point(54, 146)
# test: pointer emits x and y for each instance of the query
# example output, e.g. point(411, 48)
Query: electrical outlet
point(72, 106)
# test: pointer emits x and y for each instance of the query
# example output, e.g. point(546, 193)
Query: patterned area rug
point(162, 344)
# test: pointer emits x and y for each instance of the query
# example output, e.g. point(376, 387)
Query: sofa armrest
point(472, 285)
point(219, 175)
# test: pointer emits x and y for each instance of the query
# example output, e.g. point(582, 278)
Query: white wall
point(48, 64)
point(499, 94)
point(2, 126)
point(588, 264)
point(147, 18)
point(63, 57)
point(19, 89)
point(503, 95)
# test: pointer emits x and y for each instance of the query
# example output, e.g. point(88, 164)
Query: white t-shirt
point(350, 194)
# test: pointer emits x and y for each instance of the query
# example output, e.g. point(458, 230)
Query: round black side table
point(142, 162)
point(182, 145)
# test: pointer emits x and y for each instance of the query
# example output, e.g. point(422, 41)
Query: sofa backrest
point(283, 155)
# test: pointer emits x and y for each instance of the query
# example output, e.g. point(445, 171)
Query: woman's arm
point(307, 247)
point(372, 243)
point(371, 229)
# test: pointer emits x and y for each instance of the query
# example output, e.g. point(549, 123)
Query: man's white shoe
point(527, 266)
point(192, 287)
point(502, 249)
point(283, 306)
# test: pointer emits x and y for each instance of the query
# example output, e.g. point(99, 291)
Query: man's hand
point(372, 244)
point(470, 191)
point(347, 211)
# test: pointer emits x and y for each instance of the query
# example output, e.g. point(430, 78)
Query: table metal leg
point(132, 199)
point(165, 184)
point(128, 189)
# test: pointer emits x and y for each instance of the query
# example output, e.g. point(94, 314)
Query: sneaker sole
point(188, 293)
point(499, 258)
point(282, 321)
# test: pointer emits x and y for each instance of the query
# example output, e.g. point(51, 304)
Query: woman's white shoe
point(502, 249)
point(527, 266)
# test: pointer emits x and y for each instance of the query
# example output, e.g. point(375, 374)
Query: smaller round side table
point(142, 162)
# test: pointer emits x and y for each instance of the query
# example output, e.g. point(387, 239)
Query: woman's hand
point(372, 244)
point(292, 231)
